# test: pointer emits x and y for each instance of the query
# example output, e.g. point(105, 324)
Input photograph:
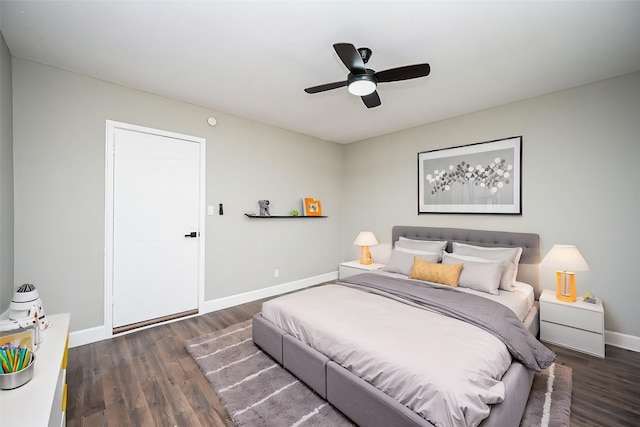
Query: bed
point(345, 340)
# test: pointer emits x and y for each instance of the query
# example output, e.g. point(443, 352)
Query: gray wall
point(581, 149)
point(6, 177)
point(579, 187)
point(59, 149)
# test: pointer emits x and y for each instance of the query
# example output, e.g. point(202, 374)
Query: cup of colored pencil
point(17, 366)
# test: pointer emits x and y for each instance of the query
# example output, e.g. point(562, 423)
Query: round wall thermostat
point(212, 121)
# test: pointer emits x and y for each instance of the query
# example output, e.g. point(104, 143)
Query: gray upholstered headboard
point(529, 268)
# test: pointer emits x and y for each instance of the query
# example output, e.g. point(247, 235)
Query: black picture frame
point(479, 178)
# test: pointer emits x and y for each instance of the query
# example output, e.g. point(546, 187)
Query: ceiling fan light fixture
point(361, 85)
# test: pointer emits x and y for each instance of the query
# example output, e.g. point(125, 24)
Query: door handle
point(192, 234)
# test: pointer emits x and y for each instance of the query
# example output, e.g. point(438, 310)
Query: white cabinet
point(576, 325)
point(351, 268)
point(42, 401)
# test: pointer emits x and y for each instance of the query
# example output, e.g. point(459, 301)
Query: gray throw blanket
point(488, 315)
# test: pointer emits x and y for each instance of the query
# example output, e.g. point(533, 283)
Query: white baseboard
point(231, 301)
point(99, 333)
point(629, 342)
point(87, 336)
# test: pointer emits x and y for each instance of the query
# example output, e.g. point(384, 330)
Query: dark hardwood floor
point(606, 392)
point(147, 378)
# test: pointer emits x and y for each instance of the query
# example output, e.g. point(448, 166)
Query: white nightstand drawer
point(586, 319)
point(576, 339)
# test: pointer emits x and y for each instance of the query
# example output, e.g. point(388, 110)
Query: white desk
point(41, 402)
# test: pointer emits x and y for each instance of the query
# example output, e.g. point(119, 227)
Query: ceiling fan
point(363, 81)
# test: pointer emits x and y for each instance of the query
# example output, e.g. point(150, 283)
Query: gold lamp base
point(365, 256)
point(566, 286)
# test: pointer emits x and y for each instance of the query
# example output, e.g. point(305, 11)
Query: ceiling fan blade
point(327, 86)
point(403, 73)
point(371, 100)
point(350, 57)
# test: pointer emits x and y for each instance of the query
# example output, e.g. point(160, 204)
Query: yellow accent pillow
point(446, 274)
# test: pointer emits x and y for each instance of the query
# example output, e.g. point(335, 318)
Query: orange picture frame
point(312, 207)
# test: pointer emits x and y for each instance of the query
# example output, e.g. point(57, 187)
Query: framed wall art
point(312, 207)
point(480, 178)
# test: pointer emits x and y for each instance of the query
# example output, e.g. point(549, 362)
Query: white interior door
point(156, 198)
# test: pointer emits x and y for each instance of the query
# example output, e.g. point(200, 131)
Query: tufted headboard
point(529, 267)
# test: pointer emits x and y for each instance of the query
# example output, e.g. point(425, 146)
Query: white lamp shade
point(565, 258)
point(365, 238)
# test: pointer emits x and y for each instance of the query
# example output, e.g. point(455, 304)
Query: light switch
point(211, 210)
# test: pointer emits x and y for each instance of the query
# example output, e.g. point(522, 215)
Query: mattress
point(445, 370)
point(519, 301)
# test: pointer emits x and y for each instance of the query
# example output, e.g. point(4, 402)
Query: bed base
point(360, 401)
point(368, 406)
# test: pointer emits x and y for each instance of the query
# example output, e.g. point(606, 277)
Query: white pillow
point(480, 274)
point(422, 245)
point(417, 251)
point(401, 261)
point(509, 257)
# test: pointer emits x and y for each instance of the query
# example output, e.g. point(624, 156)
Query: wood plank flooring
point(606, 392)
point(147, 378)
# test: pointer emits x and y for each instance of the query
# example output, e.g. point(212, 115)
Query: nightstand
point(351, 268)
point(575, 325)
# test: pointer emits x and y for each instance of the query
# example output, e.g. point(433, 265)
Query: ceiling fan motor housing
point(365, 54)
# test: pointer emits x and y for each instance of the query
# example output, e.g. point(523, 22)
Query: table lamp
point(365, 239)
point(565, 259)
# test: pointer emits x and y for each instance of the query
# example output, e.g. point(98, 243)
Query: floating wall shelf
point(284, 216)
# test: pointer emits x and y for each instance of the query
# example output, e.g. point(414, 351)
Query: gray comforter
point(481, 312)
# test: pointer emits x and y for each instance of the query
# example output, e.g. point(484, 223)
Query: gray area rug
point(549, 403)
point(256, 391)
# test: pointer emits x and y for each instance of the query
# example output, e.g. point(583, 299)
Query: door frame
point(111, 127)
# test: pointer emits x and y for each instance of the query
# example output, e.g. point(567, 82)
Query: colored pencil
point(9, 356)
point(27, 356)
point(15, 359)
point(21, 360)
point(3, 357)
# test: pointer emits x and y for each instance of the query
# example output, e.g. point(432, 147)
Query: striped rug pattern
point(256, 391)
point(549, 403)
point(261, 392)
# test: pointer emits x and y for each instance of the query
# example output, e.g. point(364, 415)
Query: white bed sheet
point(444, 369)
point(519, 301)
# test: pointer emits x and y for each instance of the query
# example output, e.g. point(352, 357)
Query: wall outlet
point(276, 272)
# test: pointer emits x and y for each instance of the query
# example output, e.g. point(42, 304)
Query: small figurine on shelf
point(589, 298)
point(264, 207)
point(294, 212)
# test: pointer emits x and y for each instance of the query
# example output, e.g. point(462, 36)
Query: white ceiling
point(254, 58)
